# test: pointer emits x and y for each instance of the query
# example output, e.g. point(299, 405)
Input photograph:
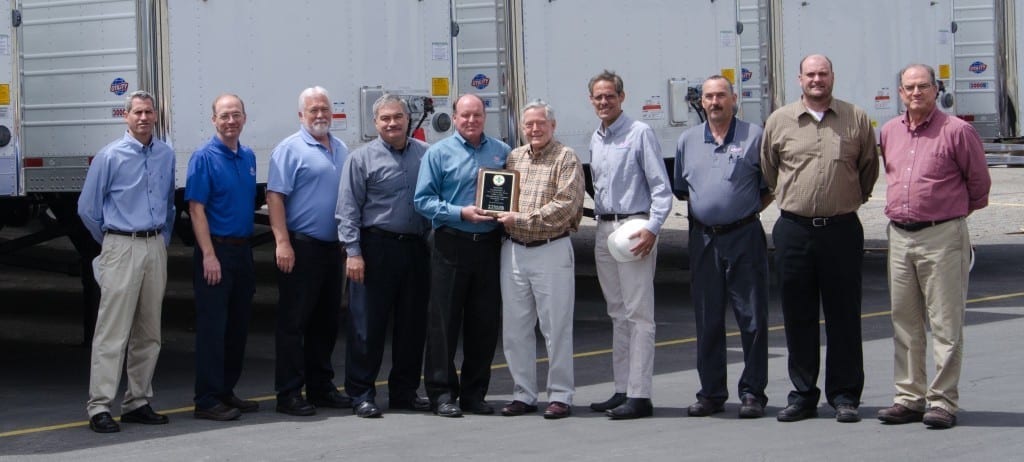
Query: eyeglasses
point(230, 115)
point(918, 87)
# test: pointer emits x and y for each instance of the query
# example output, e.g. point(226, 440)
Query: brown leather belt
point(919, 225)
point(538, 242)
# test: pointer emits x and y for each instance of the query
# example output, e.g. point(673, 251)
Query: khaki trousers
point(928, 272)
point(628, 290)
point(132, 274)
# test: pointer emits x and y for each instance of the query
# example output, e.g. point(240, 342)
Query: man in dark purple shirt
point(937, 175)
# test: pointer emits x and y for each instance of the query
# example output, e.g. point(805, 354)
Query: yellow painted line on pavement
point(586, 354)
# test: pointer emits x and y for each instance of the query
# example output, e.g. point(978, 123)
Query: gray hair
point(311, 92)
point(549, 112)
point(929, 69)
point(607, 76)
point(722, 78)
point(140, 94)
point(388, 98)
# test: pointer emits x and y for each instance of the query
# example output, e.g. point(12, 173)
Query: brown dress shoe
point(937, 417)
point(557, 410)
point(899, 414)
point(704, 407)
point(517, 408)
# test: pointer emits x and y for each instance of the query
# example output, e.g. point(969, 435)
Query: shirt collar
point(800, 108)
point(223, 149)
point(710, 138)
point(391, 148)
point(622, 121)
point(927, 120)
point(136, 143)
point(308, 138)
point(483, 140)
point(545, 151)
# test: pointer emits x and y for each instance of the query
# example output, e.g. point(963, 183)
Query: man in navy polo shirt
point(221, 192)
point(302, 193)
point(718, 172)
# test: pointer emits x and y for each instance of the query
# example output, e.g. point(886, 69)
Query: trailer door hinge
point(15, 18)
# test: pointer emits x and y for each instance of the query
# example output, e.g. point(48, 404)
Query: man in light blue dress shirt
point(127, 204)
point(630, 181)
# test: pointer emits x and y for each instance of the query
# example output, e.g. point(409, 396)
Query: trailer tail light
point(31, 162)
point(966, 117)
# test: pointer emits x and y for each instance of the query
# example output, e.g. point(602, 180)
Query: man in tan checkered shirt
point(537, 270)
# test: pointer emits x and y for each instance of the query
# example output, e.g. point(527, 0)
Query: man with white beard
point(302, 192)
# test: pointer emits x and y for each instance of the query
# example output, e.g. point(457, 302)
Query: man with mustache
point(221, 193)
point(465, 295)
point(302, 194)
point(127, 204)
point(388, 262)
point(936, 175)
point(718, 171)
point(819, 160)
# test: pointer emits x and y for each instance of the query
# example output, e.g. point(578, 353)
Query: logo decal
point(480, 81)
point(119, 86)
point(746, 74)
point(978, 67)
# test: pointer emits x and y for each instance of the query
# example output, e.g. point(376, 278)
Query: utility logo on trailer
point(978, 67)
point(480, 81)
point(119, 86)
point(746, 74)
point(978, 85)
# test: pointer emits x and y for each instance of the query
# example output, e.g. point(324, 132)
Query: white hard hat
point(619, 242)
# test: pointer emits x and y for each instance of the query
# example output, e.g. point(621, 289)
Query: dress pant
point(538, 284)
point(928, 273)
point(726, 270)
point(307, 318)
point(132, 274)
point(397, 280)
point(628, 290)
point(465, 298)
point(222, 321)
point(820, 267)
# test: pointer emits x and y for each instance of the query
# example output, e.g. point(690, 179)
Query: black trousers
point(397, 280)
point(730, 270)
point(307, 319)
point(821, 266)
point(465, 298)
point(222, 321)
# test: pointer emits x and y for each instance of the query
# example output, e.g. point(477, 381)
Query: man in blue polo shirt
point(221, 191)
point(302, 193)
point(465, 292)
point(718, 171)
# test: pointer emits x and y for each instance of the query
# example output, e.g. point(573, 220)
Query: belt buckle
point(819, 222)
point(476, 237)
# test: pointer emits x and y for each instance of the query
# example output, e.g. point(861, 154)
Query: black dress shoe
point(103, 423)
point(417, 403)
point(219, 412)
point(244, 405)
point(294, 405)
point(847, 413)
point(751, 407)
point(477, 407)
point(332, 398)
point(796, 412)
point(633, 408)
point(704, 407)
point(613, 402)
point(366, 409)
point(448, 410)
point(144, 415)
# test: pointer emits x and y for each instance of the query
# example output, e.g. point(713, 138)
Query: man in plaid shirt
point(537, 270)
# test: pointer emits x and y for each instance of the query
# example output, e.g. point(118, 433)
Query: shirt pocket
point(938, 164)
point(389, 181)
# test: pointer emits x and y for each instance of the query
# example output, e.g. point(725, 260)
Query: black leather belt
point(475, 237)
point(538, 242)
point(723, 229)
point(306, 238)
point(618, 216)
point(819, 222)
point(392, 235)
point(230, 240)
point(919, 225)
point(144, 233)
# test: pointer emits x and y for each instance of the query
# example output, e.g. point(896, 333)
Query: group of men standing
point(368, 215)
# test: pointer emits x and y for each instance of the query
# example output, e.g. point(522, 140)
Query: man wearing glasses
point(221, 193)
point(936, 175)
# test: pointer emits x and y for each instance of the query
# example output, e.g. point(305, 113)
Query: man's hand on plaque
point(474, 214)
point(507, 218)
